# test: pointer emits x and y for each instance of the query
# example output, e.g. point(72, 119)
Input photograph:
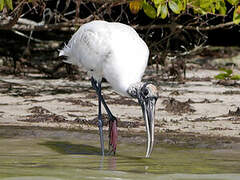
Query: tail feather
point(66, 51)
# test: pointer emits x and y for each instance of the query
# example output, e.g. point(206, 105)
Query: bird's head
point(147, 95)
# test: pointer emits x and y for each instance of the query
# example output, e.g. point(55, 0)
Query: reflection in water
point(112, 165)
point(101, 164)
point(65, 147)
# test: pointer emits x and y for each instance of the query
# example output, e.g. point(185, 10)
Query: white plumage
point(110, 50)
point(116, 52)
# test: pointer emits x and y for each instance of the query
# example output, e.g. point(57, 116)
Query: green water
point(69, 158)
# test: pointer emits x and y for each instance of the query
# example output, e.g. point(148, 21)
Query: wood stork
point(116, 52)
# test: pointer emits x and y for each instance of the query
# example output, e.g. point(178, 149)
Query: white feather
point(111, 50)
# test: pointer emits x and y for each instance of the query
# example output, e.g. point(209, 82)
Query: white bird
point(116, 52)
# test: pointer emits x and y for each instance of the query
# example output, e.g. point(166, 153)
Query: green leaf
point(9, 4)
point(157, 2)
point(164, 11)
point(194, 3)
point(212, 9)
point(205, 4)
point(227, 74)
point(236, 77)
point(221, 76)
point(228, 71)
point(174, 7)
point(236, 15)
point(159, 8)
point(200, 11)
point(1, 5)
point(217, 5)
point(180, 4)
point(222, 8)
point(149, 10)
point(184, 4)
point(233, 2)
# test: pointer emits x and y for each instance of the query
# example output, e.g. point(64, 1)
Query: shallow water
point(69, 158)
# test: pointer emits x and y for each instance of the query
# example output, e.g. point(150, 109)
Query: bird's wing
point(88, 47)
point(128, 60)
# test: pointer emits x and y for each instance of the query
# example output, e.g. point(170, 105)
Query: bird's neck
point(133, 89)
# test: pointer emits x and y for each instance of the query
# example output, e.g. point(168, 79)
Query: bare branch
point(187, 27)
point(26, 36)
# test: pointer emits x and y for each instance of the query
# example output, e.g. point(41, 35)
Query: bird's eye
point(145, 92)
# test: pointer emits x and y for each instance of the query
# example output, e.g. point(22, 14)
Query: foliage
point(7, 3)
point(227, 74)
point(162, 8)
point(236, 15)
point(182, 33)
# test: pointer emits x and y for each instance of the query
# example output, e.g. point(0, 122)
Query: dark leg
point(97, 87)
point(112, 129)
point(112, 119)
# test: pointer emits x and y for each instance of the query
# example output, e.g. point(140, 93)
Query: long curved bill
point(148, 109)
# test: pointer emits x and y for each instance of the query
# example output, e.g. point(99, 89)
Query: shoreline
point(187, 140)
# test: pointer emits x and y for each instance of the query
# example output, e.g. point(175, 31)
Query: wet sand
point(198, 109)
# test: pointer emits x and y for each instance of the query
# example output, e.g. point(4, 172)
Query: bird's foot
point(113, 136)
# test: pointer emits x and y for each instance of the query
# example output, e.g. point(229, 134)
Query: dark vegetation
point(33, 31)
